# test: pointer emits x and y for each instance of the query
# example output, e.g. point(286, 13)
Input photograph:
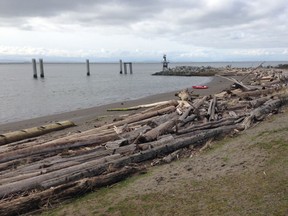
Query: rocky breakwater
point(191, 71)
point(268, 71)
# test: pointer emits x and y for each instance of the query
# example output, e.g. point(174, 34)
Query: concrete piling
point(125, 68)
point(88, 67)
point(130, 67)
point(34, 68)
point(41, 68)
point(121, 67)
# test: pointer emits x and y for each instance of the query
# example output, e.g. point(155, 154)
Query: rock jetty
point(190, 71)
point(211, 71)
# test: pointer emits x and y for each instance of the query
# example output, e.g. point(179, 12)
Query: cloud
point(150, 25)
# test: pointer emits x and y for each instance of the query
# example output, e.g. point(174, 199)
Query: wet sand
point(92, 115)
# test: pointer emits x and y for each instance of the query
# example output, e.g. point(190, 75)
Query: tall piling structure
point(34, 69)
point(88, 67)
point(121, 66)
point(130, 67)
point(41, 68)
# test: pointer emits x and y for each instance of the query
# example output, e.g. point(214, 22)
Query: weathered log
point(174, 145)
point(133, 135)
point(238, 106)
point(116, 144)
point(185, 114)
point(243, 87)
point(58, 177)
point(221, 95)
point(162, 119)
point(208, 125)
point(161, 141)
point(131, 119)
point(37, 200)
point(139, 117)
point(67, 143)
point(9, 165)
point(162, 103)
point(272, 83)
point(33, 132)
point(184, 119)
point(256, 93)
point(56, 163)
point(172, 156)
point(233, 114)
point(184, 95)
point(260, 112)
point(266, 108)
point(211, 109)
point(68, 138)
point(154, 133)
point(187, 120)
point(159, 107)
point(259, 101)
point(56, 146)
point(199, 103)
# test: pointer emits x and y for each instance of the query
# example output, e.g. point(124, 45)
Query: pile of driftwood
point(36, 174)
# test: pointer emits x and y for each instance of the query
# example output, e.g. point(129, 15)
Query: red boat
point(200, 87)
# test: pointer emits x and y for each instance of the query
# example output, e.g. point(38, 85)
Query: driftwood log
point(154, 133)
point(33, 132)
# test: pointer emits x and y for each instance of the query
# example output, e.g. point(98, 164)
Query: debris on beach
point(39, 173)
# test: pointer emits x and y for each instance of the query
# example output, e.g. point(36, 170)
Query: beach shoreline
point(84, 116)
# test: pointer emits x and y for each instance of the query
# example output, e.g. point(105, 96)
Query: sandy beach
point(88, 118)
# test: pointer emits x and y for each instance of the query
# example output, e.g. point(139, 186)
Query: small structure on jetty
point(165, 63)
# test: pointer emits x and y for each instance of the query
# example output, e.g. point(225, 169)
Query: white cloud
point(207, 29)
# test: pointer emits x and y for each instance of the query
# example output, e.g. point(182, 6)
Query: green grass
point(270, 132)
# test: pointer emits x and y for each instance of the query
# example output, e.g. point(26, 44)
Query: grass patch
point(279, 144)
point(218, 144)
point(249, 194)
point(271, 132)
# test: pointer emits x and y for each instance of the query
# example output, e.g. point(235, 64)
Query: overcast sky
point(106, 30)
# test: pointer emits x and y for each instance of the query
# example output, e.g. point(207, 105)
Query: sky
point(109, 30)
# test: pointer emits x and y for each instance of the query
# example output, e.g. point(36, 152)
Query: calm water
point(66, 87)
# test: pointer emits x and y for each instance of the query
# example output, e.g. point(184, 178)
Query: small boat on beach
point(200, 87)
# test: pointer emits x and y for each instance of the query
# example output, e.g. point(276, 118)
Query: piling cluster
point(41, 66)
point(125, 67)
point(34, 64)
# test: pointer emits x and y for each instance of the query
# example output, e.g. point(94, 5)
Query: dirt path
point(243, 175)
